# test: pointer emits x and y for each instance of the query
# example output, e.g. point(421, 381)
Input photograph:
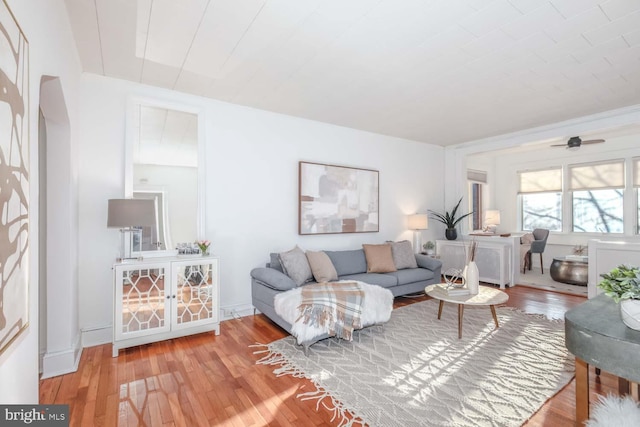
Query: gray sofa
point(267, 282)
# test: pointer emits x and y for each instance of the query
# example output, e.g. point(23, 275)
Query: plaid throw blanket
point(335, 307)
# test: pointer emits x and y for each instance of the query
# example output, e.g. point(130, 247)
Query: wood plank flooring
point(208, 380)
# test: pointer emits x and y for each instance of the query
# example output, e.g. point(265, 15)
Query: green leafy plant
point(429, 245)
point(449, 219)
point(621, 283)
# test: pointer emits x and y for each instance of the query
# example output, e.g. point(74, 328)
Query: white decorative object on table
point(473, 278)
point(472, 274)
point(630, 313)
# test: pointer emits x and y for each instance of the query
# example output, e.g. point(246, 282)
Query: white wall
point(251, 187)
point(51, 52)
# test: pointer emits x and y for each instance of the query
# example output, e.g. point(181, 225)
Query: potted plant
point(429, 247)
point(450, 220)
point(623, 285)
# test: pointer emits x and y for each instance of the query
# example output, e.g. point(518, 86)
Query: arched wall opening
point(59, 326)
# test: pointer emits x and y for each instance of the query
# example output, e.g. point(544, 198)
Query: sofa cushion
point(348, 262)
point(274, 262)
point(321, 267)
point(379, 258)
point(411, 275)
point(384, 280)
point(295, 265)
point(403, 256)
point(273, 278)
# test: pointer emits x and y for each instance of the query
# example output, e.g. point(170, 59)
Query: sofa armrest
point(425, 261)
point(273, 278)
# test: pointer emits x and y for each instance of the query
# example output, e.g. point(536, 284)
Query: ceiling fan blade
point(558, 145)
point(593, 141)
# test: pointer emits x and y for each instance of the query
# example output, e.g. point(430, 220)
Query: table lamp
point(417, 223)
point(491, 220)
point(127, 214)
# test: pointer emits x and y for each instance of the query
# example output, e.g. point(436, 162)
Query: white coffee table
point(486, 296)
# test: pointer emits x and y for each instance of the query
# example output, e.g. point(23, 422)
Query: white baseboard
point(97, 336)
point(229, 312)
point(61, 362)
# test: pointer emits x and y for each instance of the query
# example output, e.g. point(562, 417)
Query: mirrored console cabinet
point(163, 298)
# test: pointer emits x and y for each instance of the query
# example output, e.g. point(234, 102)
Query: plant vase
point(630, 313)
point(451, 233)
point(473, 277)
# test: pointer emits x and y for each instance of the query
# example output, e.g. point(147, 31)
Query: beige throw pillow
point(379, 258)
point(403, 256)
point(322, 267)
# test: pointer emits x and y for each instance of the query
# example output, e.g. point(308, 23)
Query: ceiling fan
point(575, 142)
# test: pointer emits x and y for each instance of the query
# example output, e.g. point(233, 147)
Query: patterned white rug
point(414, 371)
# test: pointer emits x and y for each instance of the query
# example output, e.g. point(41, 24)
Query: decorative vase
point(451, 233)
point(630, 313)
point(473, 277)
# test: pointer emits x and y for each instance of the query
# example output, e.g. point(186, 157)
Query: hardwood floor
point(207, 380)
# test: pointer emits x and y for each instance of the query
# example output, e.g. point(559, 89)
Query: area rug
point(414, 371)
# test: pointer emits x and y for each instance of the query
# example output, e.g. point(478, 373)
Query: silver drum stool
point(571, 269)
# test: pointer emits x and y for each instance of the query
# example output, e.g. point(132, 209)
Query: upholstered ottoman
point(377, 305)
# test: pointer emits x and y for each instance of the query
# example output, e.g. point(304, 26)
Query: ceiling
point(442, 72)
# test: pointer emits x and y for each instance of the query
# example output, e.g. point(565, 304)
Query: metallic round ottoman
point(573, 270)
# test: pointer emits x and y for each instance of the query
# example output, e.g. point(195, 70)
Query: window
point(597, 197)
point(477, 180)
point(541, 199)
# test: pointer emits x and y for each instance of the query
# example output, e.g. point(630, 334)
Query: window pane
point(598, 211)
point(542, 210)
point(475, 195)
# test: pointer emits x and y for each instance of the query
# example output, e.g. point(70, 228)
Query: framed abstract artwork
point(337, 199)
point(14, 179)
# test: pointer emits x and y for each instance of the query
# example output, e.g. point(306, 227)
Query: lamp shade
point(492, 217)
point(125, 213)
point(418, 222)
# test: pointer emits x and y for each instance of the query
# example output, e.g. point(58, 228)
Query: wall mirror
point(164, 163)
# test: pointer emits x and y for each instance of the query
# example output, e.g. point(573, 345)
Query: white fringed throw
point(377, 305)
point(414, 370)
point(335, 307)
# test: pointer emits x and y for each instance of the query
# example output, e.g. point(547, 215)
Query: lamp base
point(490, 229)
point(417, 241)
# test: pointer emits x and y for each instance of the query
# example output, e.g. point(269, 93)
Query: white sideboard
point(162, 298)
point(606, 255)
point(495, 258)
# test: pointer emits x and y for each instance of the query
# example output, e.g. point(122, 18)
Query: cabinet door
point(141, 304)
point(196, 292)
